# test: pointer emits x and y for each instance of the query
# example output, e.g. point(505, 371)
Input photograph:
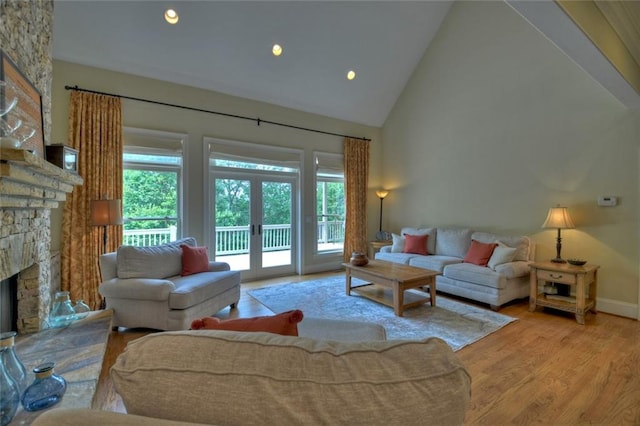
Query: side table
point(375, 246)
point(583, 278)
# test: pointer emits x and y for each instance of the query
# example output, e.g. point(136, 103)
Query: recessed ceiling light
point(277, 50)
point(171, 16)
point(351, 75)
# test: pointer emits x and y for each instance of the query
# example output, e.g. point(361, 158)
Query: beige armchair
point(144, 287)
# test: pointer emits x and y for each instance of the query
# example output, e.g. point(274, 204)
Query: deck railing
point(235, 239)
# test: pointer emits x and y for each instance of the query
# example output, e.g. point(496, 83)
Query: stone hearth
point(29, 188)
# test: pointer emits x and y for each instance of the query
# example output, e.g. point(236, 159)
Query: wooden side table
point(375, 246)
point(582, 277)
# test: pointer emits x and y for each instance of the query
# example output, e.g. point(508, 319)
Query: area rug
point(456, 323)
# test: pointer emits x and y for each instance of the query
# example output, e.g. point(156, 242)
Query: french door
point(254, 223)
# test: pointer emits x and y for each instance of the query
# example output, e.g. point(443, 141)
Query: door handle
point(253, 230)
point(259, 229)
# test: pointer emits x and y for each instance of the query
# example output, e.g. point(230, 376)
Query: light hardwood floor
point(542, 369)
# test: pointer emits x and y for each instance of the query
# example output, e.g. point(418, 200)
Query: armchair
point(144, 287)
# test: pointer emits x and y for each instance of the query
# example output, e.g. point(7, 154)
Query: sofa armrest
point(385, 249)
point(109, 265)
point(137, 288)
point(218, 266)
point(513, 269)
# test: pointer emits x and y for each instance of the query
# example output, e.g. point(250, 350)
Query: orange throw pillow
point(479, 253)
point(194, 260)
point(416, 244)
point(285, 323)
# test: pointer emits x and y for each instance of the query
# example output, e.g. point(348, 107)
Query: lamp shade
point(558, 218)
point(382, 193)
point(106, 212)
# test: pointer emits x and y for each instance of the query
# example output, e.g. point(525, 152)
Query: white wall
point(198, 125)
point(497, 125)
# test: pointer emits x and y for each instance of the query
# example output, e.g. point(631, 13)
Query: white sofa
point(144, 287)
point(495, 284)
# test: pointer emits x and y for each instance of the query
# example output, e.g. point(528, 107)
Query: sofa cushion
point(193, 289)
point(415, 244)
point(397, 243)
point(431, 232)
point(480, 275)
point(340, 330)
point(479, 253)
point(159, 261)
point(434, 262)
point(236, 378)
point(194, 259)
point(403, 258)
point(522, 244)
point(501, 254)
point(453, 242)
point(137, 288)
point(285, 323)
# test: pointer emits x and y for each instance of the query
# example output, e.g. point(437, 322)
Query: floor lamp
point(381, 194)
point(105, 213)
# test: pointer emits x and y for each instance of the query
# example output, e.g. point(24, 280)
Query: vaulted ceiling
point(225, 46)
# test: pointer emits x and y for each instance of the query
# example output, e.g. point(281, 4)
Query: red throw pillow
point(194, 260)
point(479, 253)
point(416, 244)
point(285, 323)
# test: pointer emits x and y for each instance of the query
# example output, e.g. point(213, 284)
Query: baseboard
point(616, 307)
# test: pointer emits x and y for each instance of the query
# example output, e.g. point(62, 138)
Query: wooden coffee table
point(398, 278)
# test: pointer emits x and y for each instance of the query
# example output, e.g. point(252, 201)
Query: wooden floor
point(543, 369)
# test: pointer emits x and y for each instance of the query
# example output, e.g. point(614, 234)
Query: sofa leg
point(495, 308)
point(232, 306)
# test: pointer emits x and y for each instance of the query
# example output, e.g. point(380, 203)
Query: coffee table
point(398, 278)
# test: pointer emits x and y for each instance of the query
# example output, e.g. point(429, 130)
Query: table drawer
point(557, 277)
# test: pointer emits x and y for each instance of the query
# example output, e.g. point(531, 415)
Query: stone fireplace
point(29, 188)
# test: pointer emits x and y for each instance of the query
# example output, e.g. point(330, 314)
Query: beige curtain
point(95, 130)
point(356, 173)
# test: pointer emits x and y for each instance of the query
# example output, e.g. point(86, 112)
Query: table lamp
point(558, 218)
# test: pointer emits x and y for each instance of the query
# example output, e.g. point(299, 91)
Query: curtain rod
point(224, 114)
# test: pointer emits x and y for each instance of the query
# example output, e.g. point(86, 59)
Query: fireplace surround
point(29, 188)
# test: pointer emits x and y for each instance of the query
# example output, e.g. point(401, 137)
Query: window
point(253, 206)
point(330, 202)
point(152, 181)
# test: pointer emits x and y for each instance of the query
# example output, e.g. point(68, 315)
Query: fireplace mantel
point(29, 181)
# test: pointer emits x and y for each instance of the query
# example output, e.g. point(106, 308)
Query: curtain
point(356, 168)
point(95, 130)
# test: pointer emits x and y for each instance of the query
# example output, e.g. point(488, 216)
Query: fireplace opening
point(9, 304)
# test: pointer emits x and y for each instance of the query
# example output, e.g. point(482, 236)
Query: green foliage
point(150, 194)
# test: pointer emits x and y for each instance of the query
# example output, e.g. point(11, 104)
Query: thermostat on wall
point(607, 201)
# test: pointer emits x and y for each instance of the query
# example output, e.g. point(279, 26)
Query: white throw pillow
point(398, 243)
point(501, 254)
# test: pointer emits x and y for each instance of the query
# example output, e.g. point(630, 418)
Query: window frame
point(163, 138)
point(336, 163)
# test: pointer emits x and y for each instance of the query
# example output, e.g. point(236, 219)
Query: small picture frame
point(63, 156)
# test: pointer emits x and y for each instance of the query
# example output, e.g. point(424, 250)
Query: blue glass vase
point(47, 389)
point(11, 362)
point(9, 394)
